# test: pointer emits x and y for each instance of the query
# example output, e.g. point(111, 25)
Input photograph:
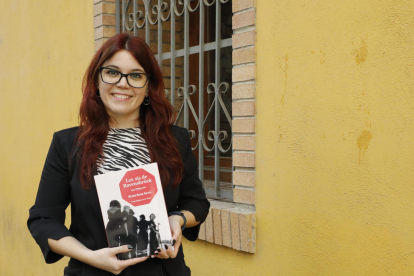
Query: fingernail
point(173, 242)
point(166, 247)
point(159, 250)
point(130, 247)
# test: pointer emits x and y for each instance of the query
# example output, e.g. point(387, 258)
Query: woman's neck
point(124, 123)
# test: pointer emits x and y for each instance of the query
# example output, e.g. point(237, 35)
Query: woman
point(142, 234)
point(125, 121)
point(129, 235)
point(154, 235)
point(115, 222)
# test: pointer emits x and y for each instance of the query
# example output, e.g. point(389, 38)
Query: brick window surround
point(231, 224)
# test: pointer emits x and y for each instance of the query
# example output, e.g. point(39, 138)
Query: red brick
point(218, 239)
point(235, 230)
point(226, 227)
point(244, 19)
point(209, 227)
point(244, 91)
point(178, 62)
point(166, 71)
point(104, 20)
point(244, 159)
point(103, 7)
point(244, 55)
point(243, 196)
point(243, 125)
point(202, 233)
point(243, 143)
point(243, 39)
point(166, 26)
point(243, 108)
point(167, 84)
point(165, 48)
point(244, 73)
point(216, 208)
point(244, 178)
point(239, 5)
point(104, 32)
point(247, 224)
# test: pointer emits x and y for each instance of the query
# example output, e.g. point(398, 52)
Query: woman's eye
point(135, 76)
point(112, 72)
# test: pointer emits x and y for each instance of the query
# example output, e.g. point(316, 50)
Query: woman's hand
point(106, 259)
point(164, 253)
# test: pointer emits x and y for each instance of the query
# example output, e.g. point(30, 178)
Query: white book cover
point(133, 210)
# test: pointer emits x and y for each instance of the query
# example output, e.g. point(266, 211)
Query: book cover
point(133, 210)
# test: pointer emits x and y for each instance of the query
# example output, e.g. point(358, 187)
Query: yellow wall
point(335, 109)
point(335, 150)
point(45, 47)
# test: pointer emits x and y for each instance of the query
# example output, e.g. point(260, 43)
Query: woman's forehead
point(123, 60)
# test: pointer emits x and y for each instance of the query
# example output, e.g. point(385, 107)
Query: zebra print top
point(124, 148)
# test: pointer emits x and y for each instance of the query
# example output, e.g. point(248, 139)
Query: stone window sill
point(230, 225)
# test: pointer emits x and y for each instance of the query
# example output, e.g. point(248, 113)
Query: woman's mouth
point(121, 96)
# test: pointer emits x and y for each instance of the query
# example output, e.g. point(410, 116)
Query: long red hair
point(154, 119)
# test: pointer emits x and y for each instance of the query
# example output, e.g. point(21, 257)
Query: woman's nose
point(123, 82)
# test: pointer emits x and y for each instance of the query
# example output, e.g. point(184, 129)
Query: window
point(193, 46)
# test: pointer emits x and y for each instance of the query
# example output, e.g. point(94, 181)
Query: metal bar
point(223, 43)
point(217, 105)
point(123, 16)
point(196, 49)
point(186, 61)
point(117, 17)
point(172, 54)
point(135, 17)
point(147, 22)
point(201, 94)
point(159, 33)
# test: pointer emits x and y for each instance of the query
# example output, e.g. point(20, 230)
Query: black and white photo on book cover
point(133, 210)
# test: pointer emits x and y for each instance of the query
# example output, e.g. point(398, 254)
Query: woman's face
point(122, 101)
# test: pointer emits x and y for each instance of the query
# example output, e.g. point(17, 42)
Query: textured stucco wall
point(335, 136)
point(45, 47)
point(334, 149)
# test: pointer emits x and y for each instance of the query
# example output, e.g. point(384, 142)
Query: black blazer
point(60, 186)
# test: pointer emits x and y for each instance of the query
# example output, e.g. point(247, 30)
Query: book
point(133, 210)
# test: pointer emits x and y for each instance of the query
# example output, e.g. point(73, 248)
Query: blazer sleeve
point(47, 215)
point(192, 197)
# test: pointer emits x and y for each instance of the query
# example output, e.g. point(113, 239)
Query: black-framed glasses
point(134, 79)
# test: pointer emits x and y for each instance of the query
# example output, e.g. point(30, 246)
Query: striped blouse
point(124, 148)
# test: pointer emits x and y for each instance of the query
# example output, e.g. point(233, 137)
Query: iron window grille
point(192, 43)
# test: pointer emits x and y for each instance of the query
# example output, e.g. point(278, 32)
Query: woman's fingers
point(124, 249)
point(160, 253)
point(168, 251)
point(126, 263)
point(173, 253)
point(121, 249)
point(106, 259)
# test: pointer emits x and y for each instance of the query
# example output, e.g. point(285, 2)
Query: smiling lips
point(121, 97)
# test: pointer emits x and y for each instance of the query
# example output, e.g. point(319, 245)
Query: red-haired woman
point(125, 121)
